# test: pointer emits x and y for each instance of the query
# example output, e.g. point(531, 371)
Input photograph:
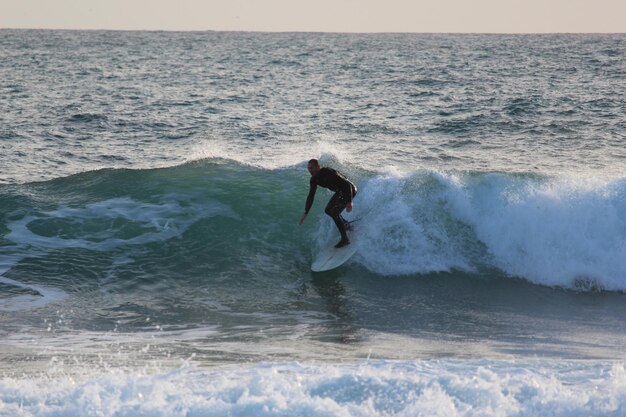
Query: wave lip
point(557, 232)
point(563, 232)
point(404, 230)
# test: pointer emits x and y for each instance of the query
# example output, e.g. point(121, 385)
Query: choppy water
point(85, 100)
point(150, 257)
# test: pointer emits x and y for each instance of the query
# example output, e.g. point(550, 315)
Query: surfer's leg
point(346, 223)
point(335, 206)
point(342, 229)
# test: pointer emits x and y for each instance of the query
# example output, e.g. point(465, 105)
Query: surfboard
point(331, 257)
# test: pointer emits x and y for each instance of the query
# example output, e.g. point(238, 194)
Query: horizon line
point(310, 31)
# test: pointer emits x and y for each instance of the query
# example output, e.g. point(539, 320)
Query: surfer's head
point(313, 166)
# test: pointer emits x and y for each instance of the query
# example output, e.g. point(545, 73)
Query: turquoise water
point(152, 264)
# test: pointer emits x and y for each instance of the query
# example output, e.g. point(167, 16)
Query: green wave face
point(218, 219)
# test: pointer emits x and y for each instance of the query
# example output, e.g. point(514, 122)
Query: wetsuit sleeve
point(311, 196)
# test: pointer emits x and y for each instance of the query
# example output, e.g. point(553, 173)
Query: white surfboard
point(331, 257)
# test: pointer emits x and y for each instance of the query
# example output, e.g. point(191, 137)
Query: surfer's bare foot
point(342, 243)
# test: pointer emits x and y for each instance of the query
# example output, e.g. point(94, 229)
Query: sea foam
point(552, 231)
point(408, 388)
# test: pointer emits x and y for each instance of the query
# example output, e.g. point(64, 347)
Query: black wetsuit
point(344, 193)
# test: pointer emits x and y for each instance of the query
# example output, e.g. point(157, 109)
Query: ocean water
point(151, 261)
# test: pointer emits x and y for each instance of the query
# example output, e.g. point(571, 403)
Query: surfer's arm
point(311, 196)
point(309, 199)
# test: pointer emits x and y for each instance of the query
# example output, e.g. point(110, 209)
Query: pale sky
point(483, 16)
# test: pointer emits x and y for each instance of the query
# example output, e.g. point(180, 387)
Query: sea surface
point(151, 261)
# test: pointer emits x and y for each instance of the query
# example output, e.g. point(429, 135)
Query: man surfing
point(342, 199)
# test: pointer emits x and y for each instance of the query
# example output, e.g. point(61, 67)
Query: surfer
point(342, 199)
